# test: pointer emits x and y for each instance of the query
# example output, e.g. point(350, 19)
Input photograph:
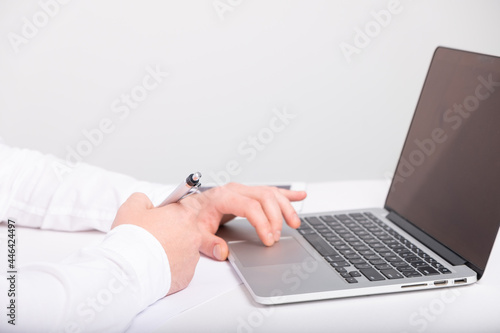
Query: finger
point(213, 246)
point(293, 195)
point(288, 212)
point(276, 205)
point(251, 209)
point(269, 202)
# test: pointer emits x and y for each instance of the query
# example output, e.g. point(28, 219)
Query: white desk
point(463, 309)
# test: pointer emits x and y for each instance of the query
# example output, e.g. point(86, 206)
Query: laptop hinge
point(425, 239)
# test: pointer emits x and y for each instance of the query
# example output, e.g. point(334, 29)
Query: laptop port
point(460, 281)
point(440, 283)
point(414, 285)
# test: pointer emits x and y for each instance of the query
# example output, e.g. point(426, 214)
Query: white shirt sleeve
point(42, 191)
point(101, 288)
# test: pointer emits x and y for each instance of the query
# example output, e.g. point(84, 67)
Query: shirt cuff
point(146, 256)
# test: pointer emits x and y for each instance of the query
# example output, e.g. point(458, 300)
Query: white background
point(227, 72)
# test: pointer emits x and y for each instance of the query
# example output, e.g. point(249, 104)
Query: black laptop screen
point(447, 182)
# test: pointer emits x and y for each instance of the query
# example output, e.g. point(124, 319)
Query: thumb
point(213, 246)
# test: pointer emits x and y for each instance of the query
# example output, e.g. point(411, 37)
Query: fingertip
point(294, 220)
point(277, 235)
point(217, 252)
point(269, 239)
point(220, 251)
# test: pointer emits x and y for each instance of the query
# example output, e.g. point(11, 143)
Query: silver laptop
point(440, 218)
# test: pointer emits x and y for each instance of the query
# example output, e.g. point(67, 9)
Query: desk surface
point(462, 309)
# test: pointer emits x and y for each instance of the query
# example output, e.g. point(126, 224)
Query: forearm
point(38, 191)
point(100, 288)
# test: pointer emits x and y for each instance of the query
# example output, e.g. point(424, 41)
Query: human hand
point(176, 229)
point(263, 206)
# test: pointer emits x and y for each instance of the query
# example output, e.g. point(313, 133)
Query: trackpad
point(286, 251)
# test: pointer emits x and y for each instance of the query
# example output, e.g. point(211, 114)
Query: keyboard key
point(314, 220)
point(412, 259)
point(406, 268)
point(362, 266)
point(381, 249)
point(327, 233)
point(351, 280)
point(399, 264)
point(336, 257)
point(340, 264)
point(399, 250)
point(383, 266)
point(347, 252)
point(372, 257)
point(377, 262)
point(361, 248)
point(355, 274)
point(411, 274)
point(393, 258)
point(419, 264)
point(384, 237)
point(405, 254)
point(430, 260)
point(386, 253)
point(341, 269)
point(357, 261)
point(444, 270)
point(320, 245)
point(352, 256)
point(345, 275)
point(307, 231)
point(327, 218)
point(371, 274)
point(427, 270)
point(370, 240)
point(391, 274)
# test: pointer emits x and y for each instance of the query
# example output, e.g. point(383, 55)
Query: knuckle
point(269, 195)
point(253, 205)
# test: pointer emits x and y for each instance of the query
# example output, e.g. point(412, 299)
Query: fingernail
point(277, 235)
point(270, 237)
point(217, 252)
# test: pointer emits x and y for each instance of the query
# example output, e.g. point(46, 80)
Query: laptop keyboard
point(360, 244)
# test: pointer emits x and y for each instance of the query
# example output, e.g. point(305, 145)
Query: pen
point(187, 187)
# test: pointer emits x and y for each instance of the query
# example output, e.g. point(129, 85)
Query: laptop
point(440, 218)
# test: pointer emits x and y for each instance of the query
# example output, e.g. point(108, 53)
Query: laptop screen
point(447, 181)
